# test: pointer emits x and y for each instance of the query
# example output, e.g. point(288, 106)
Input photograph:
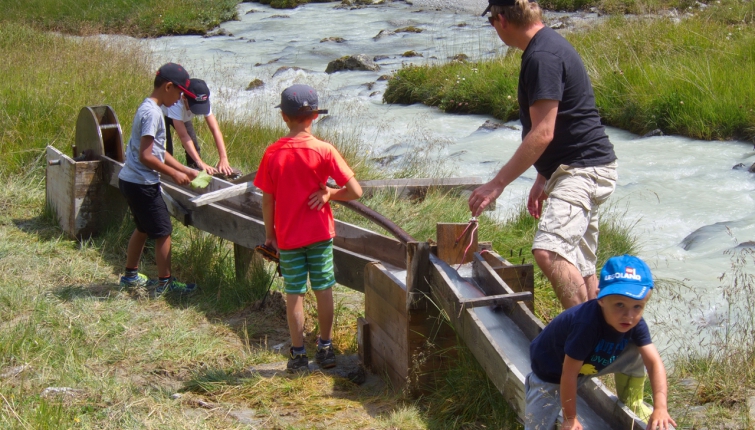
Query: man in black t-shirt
point(562, 136)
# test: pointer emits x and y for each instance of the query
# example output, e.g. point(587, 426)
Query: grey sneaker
point(325, 357)
point(140, 280)
point(297, 363)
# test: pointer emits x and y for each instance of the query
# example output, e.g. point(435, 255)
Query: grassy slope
point(685, 78)
point(133, 17)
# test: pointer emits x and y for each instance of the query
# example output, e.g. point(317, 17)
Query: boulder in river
point(256, 83)
point(383, 33)
point(352, 62)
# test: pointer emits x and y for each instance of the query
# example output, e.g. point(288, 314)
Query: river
point(669, 187)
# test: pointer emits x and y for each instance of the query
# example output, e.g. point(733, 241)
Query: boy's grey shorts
point(569, 222)
point(543, 399)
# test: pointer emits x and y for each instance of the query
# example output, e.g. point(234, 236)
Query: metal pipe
point(378, 219)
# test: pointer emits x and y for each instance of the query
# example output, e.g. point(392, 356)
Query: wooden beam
point(247, 231)
point(501, 299)
point(418, 187)
point(222, 194)
point(520, 277)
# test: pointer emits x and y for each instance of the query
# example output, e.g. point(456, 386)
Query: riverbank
point(681, 74)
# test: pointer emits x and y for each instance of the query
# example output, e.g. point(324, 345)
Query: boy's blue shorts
point(315, 260)
point(148, 207)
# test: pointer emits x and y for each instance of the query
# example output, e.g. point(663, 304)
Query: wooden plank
point(385, 311)
point(507, 300)
point(520, 277)
point(59, 188)
point(349, 268)
point(364, 348)
point(499, 368)
point(222, 194)
point(418, 187)
point(449, 249)
point(492, 284)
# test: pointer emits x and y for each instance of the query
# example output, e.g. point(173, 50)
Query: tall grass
point(682, 77)
point(133, 17)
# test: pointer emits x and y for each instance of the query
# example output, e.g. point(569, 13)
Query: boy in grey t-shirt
point(139, 181)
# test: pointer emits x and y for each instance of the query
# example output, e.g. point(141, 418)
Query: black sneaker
point(325, 357)
point(297, 362)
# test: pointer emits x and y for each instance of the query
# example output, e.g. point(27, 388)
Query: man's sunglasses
point(492, 19)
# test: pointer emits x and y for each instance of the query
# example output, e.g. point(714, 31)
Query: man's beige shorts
point(569, 222)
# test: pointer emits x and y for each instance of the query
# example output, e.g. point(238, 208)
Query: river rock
point(284, 69)
point(218, 32)
point(352, 62)
point(383, 78)
point(656, 132)
point(380, 57)
point(409, 54)
point(256, 83)
point(461, 58)
point(489, 125)
point(333, 39)
point(409, 29)
point(751, 169)
point(739, 166)
point(383, 33)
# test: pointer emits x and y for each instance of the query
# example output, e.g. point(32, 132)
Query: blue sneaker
point(175, 287)
point(140, 280)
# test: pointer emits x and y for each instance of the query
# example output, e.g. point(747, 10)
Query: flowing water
point(687, 203)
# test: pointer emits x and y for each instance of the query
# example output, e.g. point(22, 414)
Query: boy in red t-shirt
point(298, 219)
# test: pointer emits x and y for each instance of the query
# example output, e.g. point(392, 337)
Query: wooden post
point(246, 262)
point(452, 251)
point(364, 348)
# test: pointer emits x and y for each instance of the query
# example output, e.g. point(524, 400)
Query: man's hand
point(535, 200)
point(571, 424)
point(224, 168)
point(318, 199)
point(483, 196)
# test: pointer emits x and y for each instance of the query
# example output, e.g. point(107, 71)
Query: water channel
point(687, 203)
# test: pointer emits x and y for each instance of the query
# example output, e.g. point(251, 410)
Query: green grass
point(648, 73)
point(133, 17)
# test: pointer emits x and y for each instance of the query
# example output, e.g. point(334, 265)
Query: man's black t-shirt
point(553, 70)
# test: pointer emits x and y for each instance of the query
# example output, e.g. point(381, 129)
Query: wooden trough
point(413, 290)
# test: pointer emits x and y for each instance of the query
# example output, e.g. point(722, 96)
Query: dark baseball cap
point(178, 75)
point(298, 99)
point(200, 103)
point(501, 3)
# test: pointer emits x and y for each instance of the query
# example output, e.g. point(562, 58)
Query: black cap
point(177, 74)
point(199, 104)
point(298, 99)
point(501, 3)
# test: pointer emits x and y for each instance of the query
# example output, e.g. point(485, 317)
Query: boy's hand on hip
point(318, 199)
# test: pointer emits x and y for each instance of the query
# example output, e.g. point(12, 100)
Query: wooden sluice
point(410, 286)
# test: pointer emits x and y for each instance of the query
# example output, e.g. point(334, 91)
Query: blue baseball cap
point(625, 275)
point(299, 99)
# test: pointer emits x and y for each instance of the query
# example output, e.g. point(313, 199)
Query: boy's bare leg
point(135, 247)
point(567, 282)
point(295, 317)
point(162, 255)
point(325, 312)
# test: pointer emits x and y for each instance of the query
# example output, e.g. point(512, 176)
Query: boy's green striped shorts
point(315, 260)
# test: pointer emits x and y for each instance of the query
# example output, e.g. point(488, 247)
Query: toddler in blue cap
point(598, 337)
